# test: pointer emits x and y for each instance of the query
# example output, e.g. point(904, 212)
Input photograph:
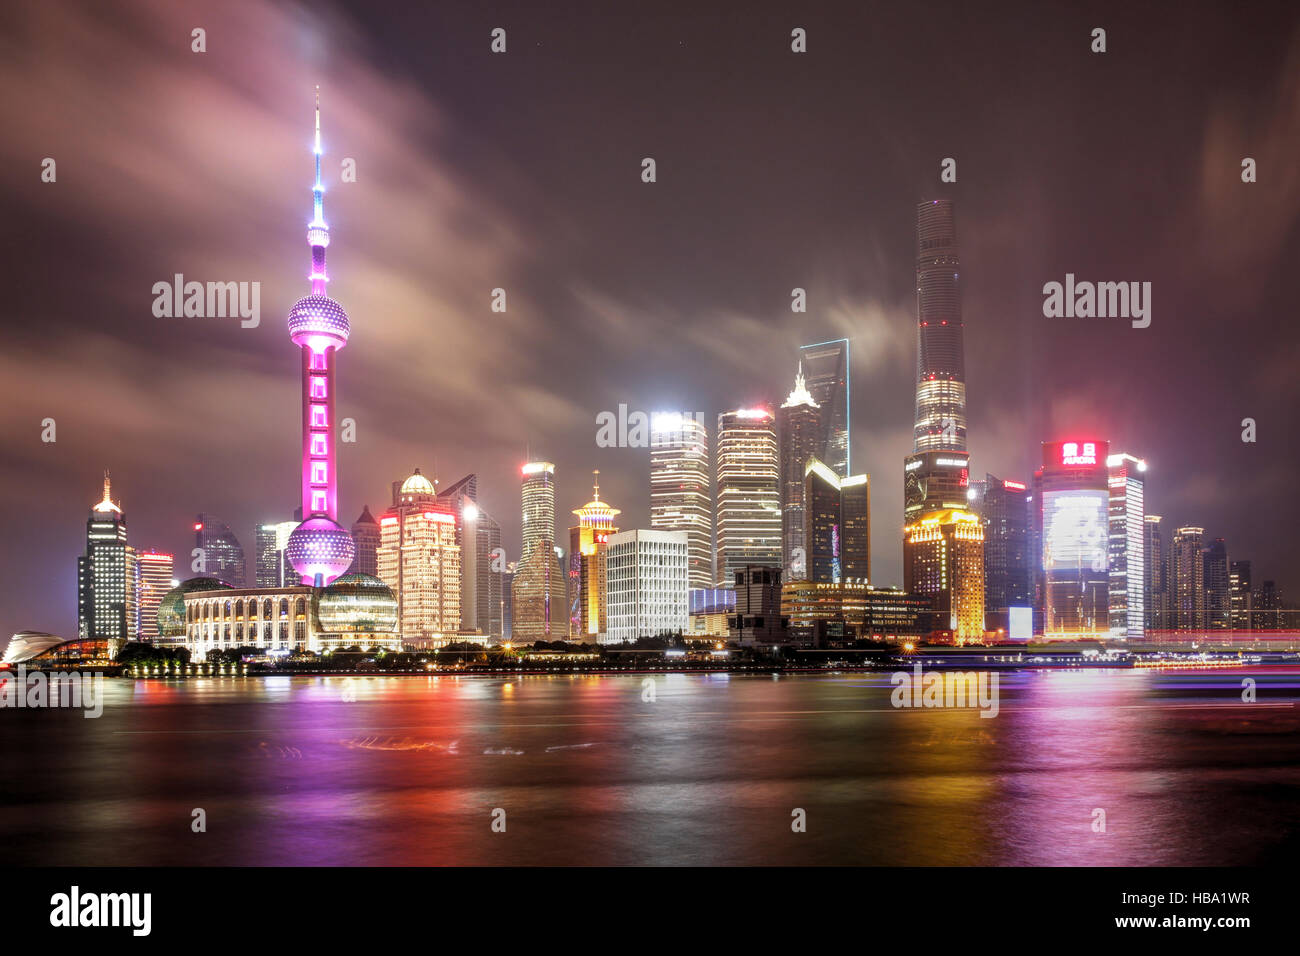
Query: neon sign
point(1072, 454)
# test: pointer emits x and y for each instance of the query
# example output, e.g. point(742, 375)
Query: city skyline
point(165, 474)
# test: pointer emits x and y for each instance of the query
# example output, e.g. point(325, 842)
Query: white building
point(647, 580)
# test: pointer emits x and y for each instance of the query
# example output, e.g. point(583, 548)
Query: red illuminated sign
point(1013, 485)
point(1076, 453)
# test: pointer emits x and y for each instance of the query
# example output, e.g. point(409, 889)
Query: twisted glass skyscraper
point(940, 366)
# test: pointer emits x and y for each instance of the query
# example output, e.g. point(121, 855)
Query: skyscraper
point(365, 538)
point(320, 549)
point(153, 579)
point(1241, 596)
point(1127, 546)
point(837, 526)
point(1156, 597)
point(419, 560)
point(940, 363)
point(220, 550)
point(825, 367)
point(943, 560)
point(646, 585)
point(801, 434)
point(936, 475)
point(104, 590)
point(588, 542)
point(491, 590)
point(681, 492)
point(749, 494)
point(1187, 579)
point(539, 605)
point(1072, 522)
point(1003, 508)
point(1218, 588)
point(461, 499)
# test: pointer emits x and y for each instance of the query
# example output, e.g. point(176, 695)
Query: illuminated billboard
point(1075, 530)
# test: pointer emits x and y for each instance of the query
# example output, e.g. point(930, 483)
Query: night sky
point(522, 171)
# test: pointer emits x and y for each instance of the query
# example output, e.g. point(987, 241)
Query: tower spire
point(318, 231)
point(596, 485)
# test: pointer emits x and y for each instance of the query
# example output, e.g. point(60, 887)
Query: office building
point(1156, 571)
point(1240, 596)
point(1072, 524)
point(825, 369)
point(105, 582)
point(758, 618)
point(943, 562)
point(588, 543)
point(1003, 507)
point(1127, 546)
point(1187, 579)
point(801, 436)
point(749, 497)
point(540, 600)
point(681, 492)
point(647, 583)
point(365, 538)
point(153, 579)
point(1218, 586)
point(837, 525)
point(419, 560)
point(220, 551)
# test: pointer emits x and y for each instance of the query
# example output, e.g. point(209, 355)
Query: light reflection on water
point(708, 772)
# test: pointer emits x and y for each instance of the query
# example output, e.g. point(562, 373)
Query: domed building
point(171, 609)
point(357, 609)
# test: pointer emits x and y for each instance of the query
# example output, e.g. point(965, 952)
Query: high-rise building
point(940, 363)
point(539, 605)
point(1127, 547)
point(1241, 597)
point(1187, 579)
point(1218, 586)
point(220, 550)
point(104, 589)
point(491, 589)
point(1268, 607)
point(508, 601)
point(837, 525)
point(1072, 523)
point(801, 435)
point(935, 481)
point(365, 538)
point(1003, 509)
point(588, 542)
point(825, 366)
point(681, 493)
point(646, 585)
point(758, 617)
point(154, 571)
point(419, 560)
point(273, 568)
point(320, 549)
point(477, 534)
point(749, 495)
point(1156, 591)
point(943, 560)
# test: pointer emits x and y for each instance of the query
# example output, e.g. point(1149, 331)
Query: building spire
point(596, 485)
point(318, 231)
point(107, 504)
point(800, 395)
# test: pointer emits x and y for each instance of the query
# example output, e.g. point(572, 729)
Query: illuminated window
point(317, 386)
point(318, 501)
point(318, 419)
point(318, 475)
point(319, 445)
point(318, 360)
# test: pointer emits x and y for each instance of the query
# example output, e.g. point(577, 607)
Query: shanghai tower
point(320, 549)
point(940, 368)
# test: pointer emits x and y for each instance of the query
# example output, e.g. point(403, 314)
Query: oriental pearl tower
point(319, 548)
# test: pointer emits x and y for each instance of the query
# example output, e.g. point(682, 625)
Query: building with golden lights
point(588, 542)
point(943, 560)
point(419, 559)
point(539, 599)
point(823, 613)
